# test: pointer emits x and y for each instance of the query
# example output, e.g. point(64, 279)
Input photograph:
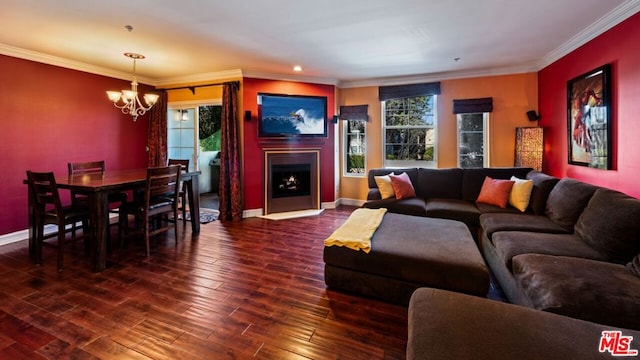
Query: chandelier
point(127, 100)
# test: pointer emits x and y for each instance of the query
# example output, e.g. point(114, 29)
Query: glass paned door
point(182, 137)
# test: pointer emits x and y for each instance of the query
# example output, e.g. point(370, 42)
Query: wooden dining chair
point(160, 200)
point(48, 209)
point(92, 167)
point(182, 194)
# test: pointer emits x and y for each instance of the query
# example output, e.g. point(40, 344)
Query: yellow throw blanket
point(357, 231)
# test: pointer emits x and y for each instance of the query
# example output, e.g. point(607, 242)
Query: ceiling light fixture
point(127, 100)
point(297, 68)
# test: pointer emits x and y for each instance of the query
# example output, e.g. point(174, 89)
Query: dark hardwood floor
point(251, 289)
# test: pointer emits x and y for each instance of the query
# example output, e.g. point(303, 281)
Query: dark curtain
point(157, 133)
point(230, 191)
point(471, 106)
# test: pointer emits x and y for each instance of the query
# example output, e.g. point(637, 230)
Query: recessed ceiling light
point(297, 68)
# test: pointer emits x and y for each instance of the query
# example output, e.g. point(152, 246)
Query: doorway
point(193, 132)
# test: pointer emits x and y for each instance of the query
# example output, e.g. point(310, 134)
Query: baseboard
point(352, 202)
point(24, 234)
point(252, 213)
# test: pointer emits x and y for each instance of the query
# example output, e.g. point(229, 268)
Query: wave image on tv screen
point(292, 115)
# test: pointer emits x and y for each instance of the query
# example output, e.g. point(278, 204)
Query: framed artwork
point(589, 118)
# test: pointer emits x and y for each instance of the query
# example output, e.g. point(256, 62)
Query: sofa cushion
point(495, 192)
point(448, 325)
point(472, 179)
point(591, 290)
point(412, 206)
point(520, 193)
point(402, 186)
point(611, 224)
point(494, 222)
point(512, 243)
point(384, 186)
point(453, 209)
point(542, 186)
point(439, 183)
point(567, 200)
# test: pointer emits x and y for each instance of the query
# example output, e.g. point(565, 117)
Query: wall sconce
point(247, 115)
point(529, 147)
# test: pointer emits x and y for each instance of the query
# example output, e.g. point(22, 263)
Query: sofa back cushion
point(542, 186)
point(439, 183)
point(611, 224)
point(472, 179)
point(567, 200)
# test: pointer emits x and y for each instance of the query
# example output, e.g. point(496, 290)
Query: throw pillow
point(402, 186)
point(495, 192)
point(520, 193)
point(385, 187)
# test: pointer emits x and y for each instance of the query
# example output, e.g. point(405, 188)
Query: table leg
point(193, 196)
point(99, 227)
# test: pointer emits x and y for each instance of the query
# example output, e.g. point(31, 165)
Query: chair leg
point(61, 237)
point(38, 242)
point(184, 211)
point(145, 223)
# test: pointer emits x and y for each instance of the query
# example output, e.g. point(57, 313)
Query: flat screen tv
point(291, 116)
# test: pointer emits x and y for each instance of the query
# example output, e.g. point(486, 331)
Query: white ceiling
point(347, 42)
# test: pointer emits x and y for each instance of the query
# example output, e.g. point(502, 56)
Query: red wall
point(618, 47)
point(51, 116)
point(253, 156)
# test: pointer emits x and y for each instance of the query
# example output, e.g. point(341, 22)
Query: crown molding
point(68, 64)
point(191, 79)
point(611, 19)
point(446, 75)
point(290, 77)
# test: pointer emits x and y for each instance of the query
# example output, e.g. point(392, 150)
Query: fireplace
point(291, 180)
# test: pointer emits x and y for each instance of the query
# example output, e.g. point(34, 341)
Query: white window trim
point(486, 160)
point(391, 164)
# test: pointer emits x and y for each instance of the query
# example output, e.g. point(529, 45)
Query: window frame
point(486, 160)
point(434, 127)
point(346, 153)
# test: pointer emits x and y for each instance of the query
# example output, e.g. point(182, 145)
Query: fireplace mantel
point(303, 158)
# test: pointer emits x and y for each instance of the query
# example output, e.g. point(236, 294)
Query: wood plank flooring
point(251, 289)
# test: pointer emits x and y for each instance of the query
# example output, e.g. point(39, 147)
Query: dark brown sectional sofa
point(571, 252)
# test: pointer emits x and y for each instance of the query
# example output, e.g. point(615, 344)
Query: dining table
point(97, 187)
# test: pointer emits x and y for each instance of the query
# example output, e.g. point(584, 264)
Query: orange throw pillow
point(495, 192)
point(402, 186)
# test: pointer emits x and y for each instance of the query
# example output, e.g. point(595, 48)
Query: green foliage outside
point(209, 127)
point(409, 128)
point(356, 163)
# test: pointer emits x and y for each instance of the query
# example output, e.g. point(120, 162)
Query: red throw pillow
point(495, 192)
point(402, 186)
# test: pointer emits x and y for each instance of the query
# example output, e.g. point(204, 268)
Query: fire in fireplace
point(291, 180)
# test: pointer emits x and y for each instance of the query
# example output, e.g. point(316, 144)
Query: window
point(355, 147)
point(409, 131)
point(473, 142)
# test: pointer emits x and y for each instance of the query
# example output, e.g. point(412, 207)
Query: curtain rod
point(193, 87)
